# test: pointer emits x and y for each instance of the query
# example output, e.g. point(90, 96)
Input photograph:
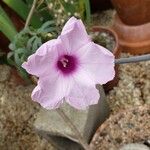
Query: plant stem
point(88, 10)
point(73, 128)
point(133, 59)
point(30, 14)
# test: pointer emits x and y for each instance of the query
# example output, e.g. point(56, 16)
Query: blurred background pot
point(133, 12)
point(134, 39)
point(132, 24)
point(108, 39)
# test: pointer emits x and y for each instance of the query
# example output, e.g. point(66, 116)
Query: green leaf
point(4, 14)
point(12, 46)
point(47, 27)
point(48, 23)
point(36, 44)
point(30, 42)
point(6, 26)
point(10, 58)
point(21, 8)
point(16, 56)
point(88, 10)
point(23, 74)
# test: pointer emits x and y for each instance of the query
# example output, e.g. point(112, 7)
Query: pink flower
point(69, 67)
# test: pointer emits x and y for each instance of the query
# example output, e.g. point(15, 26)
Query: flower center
point(67, 64)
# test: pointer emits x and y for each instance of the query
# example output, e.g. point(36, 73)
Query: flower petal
point(69, 24)
point(43, 61)
point(74, 35)
point(82, 96)
point(51, 90)
point(84, 77)
point(97, 61)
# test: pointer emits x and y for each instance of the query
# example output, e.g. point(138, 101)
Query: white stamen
point(64, 62)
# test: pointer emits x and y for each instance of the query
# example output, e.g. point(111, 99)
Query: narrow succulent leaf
point(48, 23)
point(88, 10)
point(22, 9)
point(4, 14)
point(17, 59)
point(7, 29)
point(20, 51)
point(46, 27)
point(36, 44)
point(30, 42)
point(6, 26)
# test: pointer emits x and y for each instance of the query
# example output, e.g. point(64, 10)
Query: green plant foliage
point(6, 25)
point(64, 9)
point(27, 42)
point(58, 10)
point(88, 10)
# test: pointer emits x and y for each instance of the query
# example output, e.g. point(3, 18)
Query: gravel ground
point(17, 116)
point(133, 87)
point(128, 126)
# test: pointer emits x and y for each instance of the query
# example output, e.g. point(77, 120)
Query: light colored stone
point(50, 125)
point(134, 146)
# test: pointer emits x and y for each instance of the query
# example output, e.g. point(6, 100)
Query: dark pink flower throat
point(67, 64)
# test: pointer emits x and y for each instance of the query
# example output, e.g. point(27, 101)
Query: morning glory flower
point(69, 67)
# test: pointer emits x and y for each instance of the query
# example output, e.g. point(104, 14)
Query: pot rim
point(116, 51)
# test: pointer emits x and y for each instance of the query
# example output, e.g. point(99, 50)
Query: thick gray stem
point(73, 128)
point(133, 59)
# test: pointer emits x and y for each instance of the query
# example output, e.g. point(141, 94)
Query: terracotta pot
point(133, 12)
point(116, 51)
point(133, 39)
point(15, 76)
